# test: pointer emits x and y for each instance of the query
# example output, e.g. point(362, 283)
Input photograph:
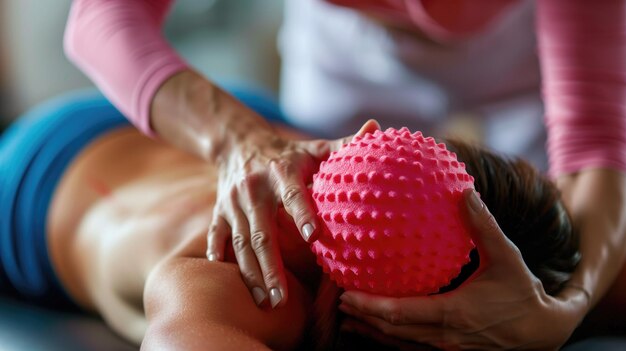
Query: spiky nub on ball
point(391, 205)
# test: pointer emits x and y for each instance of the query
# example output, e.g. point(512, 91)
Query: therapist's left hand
point(503, 305)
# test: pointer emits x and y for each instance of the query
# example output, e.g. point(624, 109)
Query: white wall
point(36, 68)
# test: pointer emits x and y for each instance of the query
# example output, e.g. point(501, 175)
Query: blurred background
point(224, 39)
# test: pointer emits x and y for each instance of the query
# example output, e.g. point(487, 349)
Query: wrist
point(204, 103)
point(582, 290)
point(576, 299)
point(226, 126)
point(595, 199)
point(196, 115)
point(562, 314)
point(175, 112)
point(191, 113)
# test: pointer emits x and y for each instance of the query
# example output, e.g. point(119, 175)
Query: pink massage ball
point(391, 207)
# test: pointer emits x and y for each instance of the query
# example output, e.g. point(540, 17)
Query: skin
point(127, 238)
point(259, 170)
point(454, 321)
point(595, 197)
point(451, 320)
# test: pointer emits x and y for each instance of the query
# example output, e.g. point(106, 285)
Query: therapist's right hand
point(260, 173)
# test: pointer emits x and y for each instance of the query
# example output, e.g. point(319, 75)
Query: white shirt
point(340, 68)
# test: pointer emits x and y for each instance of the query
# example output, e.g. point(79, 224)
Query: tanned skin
point(127, 237)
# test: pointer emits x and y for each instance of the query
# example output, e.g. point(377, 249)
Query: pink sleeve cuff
point(154, 77)
point(118, 44)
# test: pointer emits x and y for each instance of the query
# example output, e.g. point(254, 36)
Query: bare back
point(125, 205)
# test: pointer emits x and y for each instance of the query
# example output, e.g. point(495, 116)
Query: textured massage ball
point(391, 207)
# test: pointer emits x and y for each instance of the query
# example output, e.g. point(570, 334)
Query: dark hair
point(529, 210)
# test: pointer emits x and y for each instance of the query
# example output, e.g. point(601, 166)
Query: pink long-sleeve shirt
point(119, 45)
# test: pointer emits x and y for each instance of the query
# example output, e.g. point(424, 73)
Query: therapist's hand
point(502, 306)
point(255, 177)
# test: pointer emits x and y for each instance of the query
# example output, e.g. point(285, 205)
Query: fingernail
point(259, 295)
point(307, 231)
point(275, 297)
point(475, 203)
point(211, 257)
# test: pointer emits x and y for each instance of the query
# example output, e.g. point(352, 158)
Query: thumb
point(491, 242)
point(369, 127)
point(320, 149)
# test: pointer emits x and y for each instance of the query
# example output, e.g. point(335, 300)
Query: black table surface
point(25, 327)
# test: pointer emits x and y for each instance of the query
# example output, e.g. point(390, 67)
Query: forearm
point(581, 47)
point(582, 50)
point(194, 114)
point(597, 199)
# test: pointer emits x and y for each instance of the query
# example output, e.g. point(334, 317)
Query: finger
point(263, 239)
point(321, 149)
point(491, 242)
point(259, 208)
point(352, 325)
point(246, 259)
point(295, 196)
point(398, 311)
point(369, 127)
point(217, 237)
point(415, 333)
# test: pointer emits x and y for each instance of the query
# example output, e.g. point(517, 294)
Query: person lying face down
point(120, 231)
